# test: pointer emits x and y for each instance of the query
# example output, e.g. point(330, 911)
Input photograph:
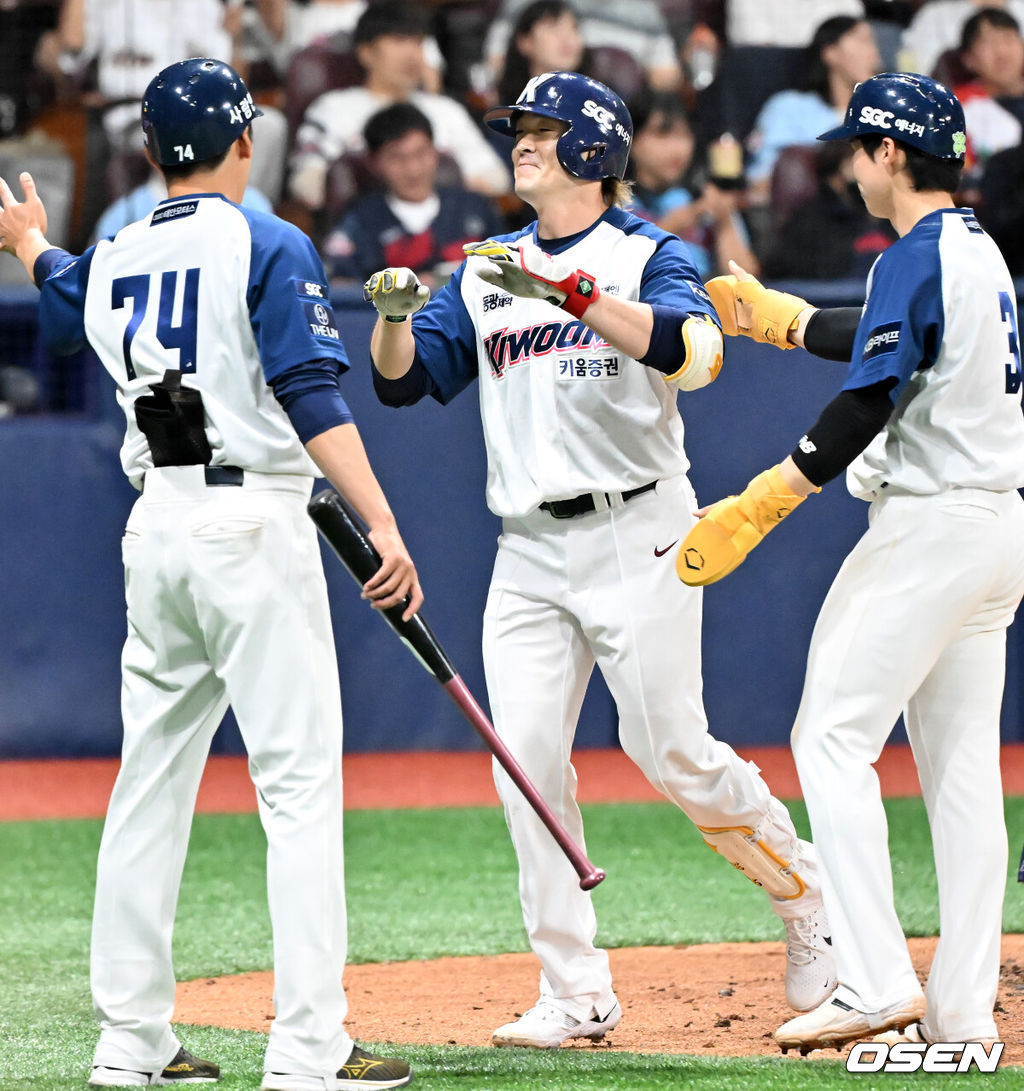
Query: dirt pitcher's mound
point(722, 998)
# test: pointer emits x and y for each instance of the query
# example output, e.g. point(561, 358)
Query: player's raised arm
point(397, 294)
point(23, 223)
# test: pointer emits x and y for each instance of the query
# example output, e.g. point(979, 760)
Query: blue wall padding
point(63, 502)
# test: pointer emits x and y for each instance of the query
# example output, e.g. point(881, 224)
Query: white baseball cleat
point(810, 968)
point(834, 1023)
point(912, 1033)
point(547, 1026)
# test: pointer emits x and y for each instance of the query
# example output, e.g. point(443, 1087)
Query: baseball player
point(215, 324)
point(929, 425)
point(578, 376)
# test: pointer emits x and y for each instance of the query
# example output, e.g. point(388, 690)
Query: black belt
point(584, 503)
point(218, 475)
point(223, 475)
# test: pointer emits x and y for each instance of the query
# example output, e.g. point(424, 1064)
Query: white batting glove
point(396, 293)
point(525, 270)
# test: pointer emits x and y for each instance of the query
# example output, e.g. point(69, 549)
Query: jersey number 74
point(181, 335)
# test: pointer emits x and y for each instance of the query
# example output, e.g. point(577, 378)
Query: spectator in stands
point(660, 159)
point(833, 235)
point(1001, 205)
point(992, 48)
point(937, 26)
point(546, 38)
point(638, 28)
point(389, 44)
point(311, 21)
point(130, 41)
point(143, 199)
point(842, 53)
point(412, 222)
point(753, 22)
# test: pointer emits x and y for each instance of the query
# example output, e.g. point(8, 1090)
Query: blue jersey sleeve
point(446, 340)
point(902, 326)
point(670, 278)
point(62, 298)
point(289, 305)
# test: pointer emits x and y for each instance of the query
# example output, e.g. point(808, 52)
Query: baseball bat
point(341, 529)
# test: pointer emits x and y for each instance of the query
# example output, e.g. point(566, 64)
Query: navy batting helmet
point(915, 110)
point(194, 110)
point(596, 144)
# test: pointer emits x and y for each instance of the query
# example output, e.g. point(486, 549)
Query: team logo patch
point(882, 339)
point(320, 317)
point(959, 143)
point(173, 212)
point(310, 289)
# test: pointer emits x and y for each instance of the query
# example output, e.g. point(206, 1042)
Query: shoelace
point(550, 1013)
point(800, 936)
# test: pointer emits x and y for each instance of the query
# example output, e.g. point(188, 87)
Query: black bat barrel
point(342, 530)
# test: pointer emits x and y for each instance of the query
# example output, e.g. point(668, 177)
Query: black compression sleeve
point(846, 426)
point(408, 389)
point(830, 333)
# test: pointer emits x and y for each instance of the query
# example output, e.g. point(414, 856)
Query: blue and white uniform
point(226, 604)
point(916, 621)
point(566, 415)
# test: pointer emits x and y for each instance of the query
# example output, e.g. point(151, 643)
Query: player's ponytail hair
point(616, 193)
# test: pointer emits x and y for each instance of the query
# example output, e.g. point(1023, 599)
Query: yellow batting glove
point(730, 529)
point(396, 293)
point(747, 308)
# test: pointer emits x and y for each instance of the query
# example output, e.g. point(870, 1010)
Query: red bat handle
point(589, 875)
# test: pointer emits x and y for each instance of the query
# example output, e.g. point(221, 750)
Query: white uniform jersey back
point(941, 319)
point(563, 411)
point(230, 297)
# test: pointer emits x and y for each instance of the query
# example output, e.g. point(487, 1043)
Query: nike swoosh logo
point(828, 940)
point(661, 552)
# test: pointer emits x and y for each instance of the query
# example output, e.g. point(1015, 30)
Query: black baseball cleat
point(361, 1070)
point(184, 1068)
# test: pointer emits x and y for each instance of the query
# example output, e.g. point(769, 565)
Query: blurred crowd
point(372, 138)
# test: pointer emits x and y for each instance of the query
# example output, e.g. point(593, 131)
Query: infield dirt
point(722, 998)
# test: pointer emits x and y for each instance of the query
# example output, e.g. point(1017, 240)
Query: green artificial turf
point(421, 883)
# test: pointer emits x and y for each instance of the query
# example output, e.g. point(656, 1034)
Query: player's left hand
point(18, 218)
point(730, 529)
point(747, 308)
point(525, 270)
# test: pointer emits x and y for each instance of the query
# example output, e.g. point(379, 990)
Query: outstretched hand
point(19, 218)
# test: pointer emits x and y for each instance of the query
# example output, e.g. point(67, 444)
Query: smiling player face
point(535, 164)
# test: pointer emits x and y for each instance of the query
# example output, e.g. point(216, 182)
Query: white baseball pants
point(226, 603)
point(564, 595)
point(915, 622)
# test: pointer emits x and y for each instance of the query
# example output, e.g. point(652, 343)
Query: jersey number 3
point(180, 335)
point(1014, 375)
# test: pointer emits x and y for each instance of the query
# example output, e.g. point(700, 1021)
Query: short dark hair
point(516, 70)
point(395, 17)
point(394, 122)
point(648, 103)
point(994, 17)
point(815, 69)
point(929, 173)
point(177, 172)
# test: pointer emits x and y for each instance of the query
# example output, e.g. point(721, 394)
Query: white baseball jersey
point(226, 603)
point(563, 411)
point(564, 414)
point(231, 297)
point(915, 622)
point(952, 344)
